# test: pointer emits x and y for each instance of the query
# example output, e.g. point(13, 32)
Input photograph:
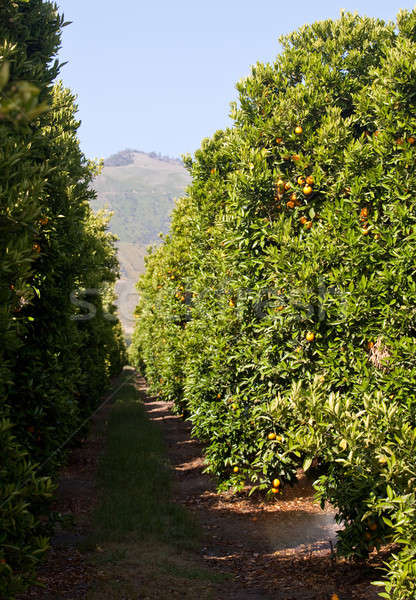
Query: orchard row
point(54, 367)
point(299, 196)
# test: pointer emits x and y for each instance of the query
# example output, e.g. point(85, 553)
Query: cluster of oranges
point(306, 185)
point(365, 225)
point(276, 486)
point(371, 536)
point(180, 294)
point(295, 157)
point(304, 221)
point(285, 186)
point(363, 219)
point(171, 273)
point(410, 140)
point(399, 141)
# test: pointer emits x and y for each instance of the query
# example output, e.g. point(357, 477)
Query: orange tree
point(53, 365)
point(278, 313)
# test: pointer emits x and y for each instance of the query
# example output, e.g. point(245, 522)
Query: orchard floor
point(248, 549)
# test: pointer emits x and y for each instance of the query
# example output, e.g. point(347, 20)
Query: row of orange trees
point(55, 362)
point(279, 312)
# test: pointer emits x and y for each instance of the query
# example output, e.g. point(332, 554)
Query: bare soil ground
point(249, 548)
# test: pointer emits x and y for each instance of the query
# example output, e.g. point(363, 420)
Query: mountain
point(140, 189)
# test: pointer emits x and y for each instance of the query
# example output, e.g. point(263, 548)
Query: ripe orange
point(363, 213)
point(308, 225)
point(298, 130)
point(280, 183)
point(293, 197)
point(411, 140)
point(376, 133)
point(310, 336)
point(218, 396)
point(236, 469)
point(279, 140)
point(275, 490)
point(271, 436)
point(365, 232)
point(290, 204)
point(295, 157)
point(276, 483)
point(213, 171)
point(334, 597)
point(301, 180)
point(44, 221)
point(303, 220)
point(288, 185)
point(399, 142)
point(231, 303)
point(310, 180)
point(36, 248)
point(280, 308)
point(307, 190)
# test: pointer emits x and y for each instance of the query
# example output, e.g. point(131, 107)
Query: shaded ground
point(280, 548)
point(249, 549)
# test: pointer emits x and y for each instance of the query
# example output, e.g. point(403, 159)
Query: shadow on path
point(279, 549)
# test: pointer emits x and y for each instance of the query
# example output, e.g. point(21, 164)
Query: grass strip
point(134, 479)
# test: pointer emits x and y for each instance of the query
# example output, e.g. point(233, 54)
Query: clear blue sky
point(159, 75)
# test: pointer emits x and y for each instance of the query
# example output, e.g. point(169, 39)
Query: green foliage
point(282, 301)
point(53, 366)
point(24, 497)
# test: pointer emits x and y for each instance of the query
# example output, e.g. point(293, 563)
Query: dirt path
point(278, 550)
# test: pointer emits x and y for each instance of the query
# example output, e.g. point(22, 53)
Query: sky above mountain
point(160, 75)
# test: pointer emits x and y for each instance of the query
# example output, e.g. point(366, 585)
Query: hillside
point(140, 189)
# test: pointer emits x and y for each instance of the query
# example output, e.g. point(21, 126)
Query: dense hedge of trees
point(279, 313)
point(55, 363)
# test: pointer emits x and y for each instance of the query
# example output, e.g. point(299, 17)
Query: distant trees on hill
point(126, 157)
